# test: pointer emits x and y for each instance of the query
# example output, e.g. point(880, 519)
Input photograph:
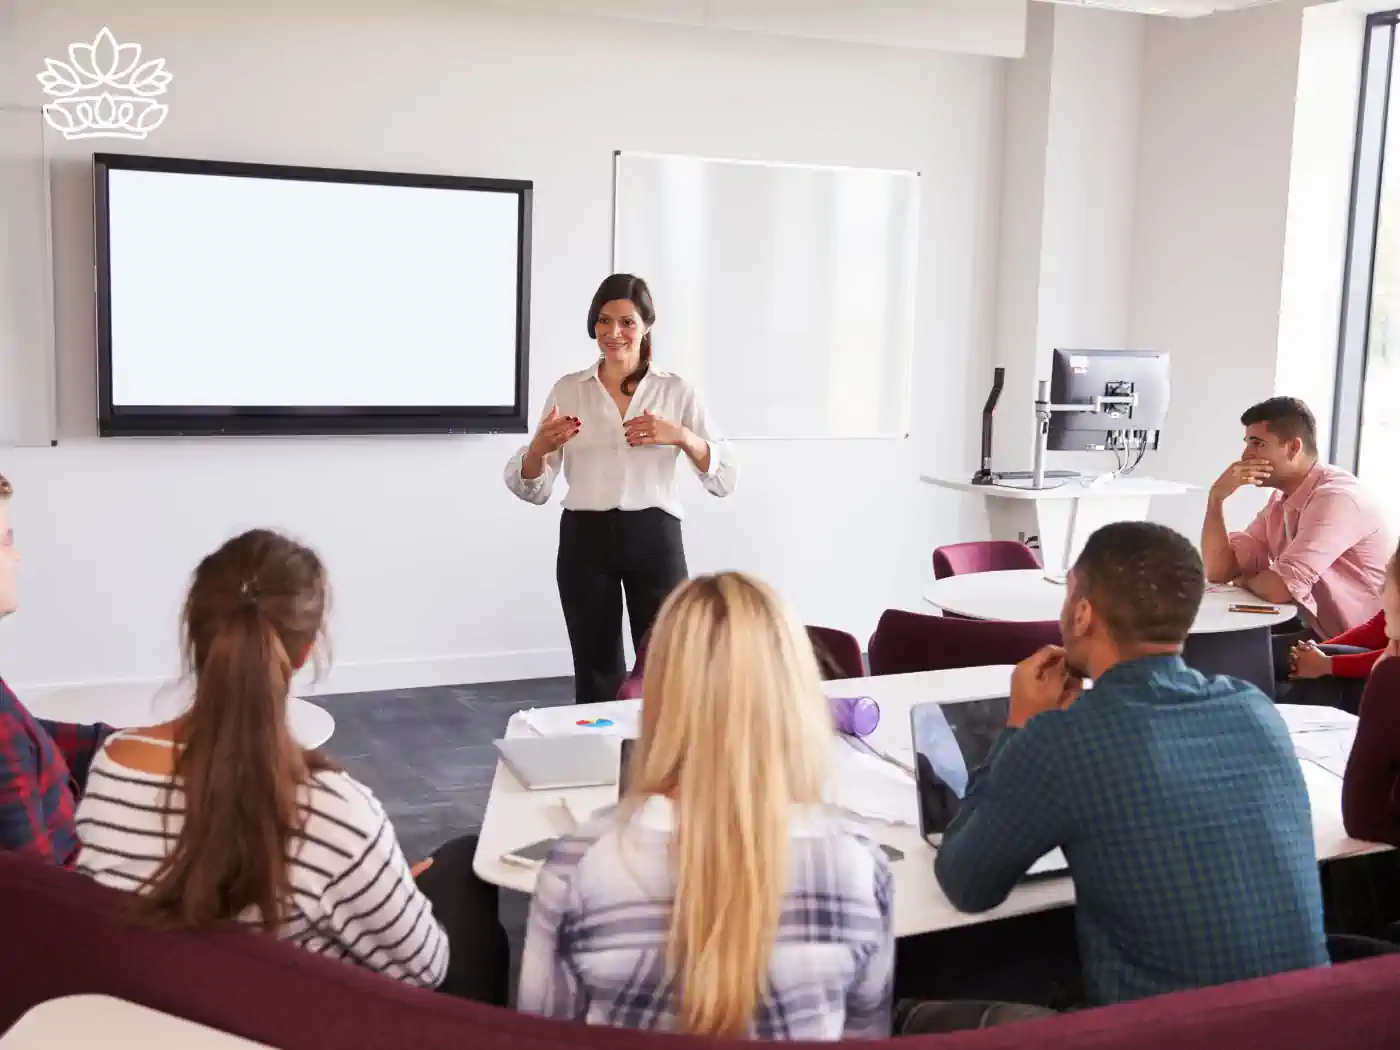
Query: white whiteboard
point(785, 293)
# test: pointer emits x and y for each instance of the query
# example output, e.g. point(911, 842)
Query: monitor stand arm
point(1043, 410)
point(985, 475)
point(1042, 433)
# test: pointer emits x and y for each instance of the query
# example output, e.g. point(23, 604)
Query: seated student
point(220, 815)
point(43, 765)
point(1320, 543)
point(687, 907)
point(720, 897)
point(1371, 787)
point(1334, 673)
point(1177, 799)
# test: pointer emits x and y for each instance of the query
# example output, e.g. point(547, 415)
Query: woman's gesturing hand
point(554, 433)
point(647, 429)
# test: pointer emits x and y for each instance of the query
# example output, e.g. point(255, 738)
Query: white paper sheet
point(871, 788)
point(1307, 719)
point(624, 716)
point(1329, 749)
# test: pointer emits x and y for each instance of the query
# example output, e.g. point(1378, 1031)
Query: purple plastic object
point(855, 715)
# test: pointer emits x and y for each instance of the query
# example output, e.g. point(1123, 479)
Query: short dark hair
point(6, 489)
point(1286, 418)
point(1145, 580)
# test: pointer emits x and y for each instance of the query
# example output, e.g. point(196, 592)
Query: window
point(1366, 420)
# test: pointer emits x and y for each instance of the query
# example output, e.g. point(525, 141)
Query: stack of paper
point(618, 718)
point(868, 787)
point(1302, 718)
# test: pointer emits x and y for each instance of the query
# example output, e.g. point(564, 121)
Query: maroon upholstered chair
point(837, 652)
point(63, 934)
point(905, 642)
point(959, 559)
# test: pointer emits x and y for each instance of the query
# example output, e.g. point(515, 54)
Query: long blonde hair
point(735, 731)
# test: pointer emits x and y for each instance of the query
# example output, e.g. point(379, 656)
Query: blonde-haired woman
point(719, 898)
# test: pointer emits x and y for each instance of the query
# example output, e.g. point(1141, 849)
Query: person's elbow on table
point(1272, 587)
point(965, 883)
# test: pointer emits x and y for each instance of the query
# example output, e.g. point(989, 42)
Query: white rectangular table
point(516, 817)
point(101, 1022)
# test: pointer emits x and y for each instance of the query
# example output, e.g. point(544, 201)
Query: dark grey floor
point(427, 754)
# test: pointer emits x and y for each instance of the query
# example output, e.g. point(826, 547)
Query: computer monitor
point(1124, 394)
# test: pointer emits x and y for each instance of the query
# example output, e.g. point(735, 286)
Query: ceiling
point(1170, 8)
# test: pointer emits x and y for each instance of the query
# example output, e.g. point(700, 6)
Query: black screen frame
point(938, 802)
point(215, 420)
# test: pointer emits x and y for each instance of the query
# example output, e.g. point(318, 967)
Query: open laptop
point(554, 763)
point(950, 741)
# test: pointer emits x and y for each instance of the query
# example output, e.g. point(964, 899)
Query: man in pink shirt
point(1320, 543)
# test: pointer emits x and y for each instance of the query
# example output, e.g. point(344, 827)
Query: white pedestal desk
point(1062, 517)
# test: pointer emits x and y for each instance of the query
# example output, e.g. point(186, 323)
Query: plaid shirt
point(43, 767)
point(595, 946)
point(1181, 808)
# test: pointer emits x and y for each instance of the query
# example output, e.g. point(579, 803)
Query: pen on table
point(1253, 609)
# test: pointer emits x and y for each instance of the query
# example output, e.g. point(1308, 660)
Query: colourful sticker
point(595, 723)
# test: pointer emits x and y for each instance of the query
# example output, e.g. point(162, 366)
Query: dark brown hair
point(256, 607)
point(1287, 418)
point(1146, 581)
point(632, 288)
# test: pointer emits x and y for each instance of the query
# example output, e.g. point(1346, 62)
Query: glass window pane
point(1380, 397)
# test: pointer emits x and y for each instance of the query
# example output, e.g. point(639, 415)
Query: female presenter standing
point(618, 430)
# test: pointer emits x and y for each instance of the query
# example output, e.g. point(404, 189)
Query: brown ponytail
point(629, 385)
point(629, 287)
point(254, 610)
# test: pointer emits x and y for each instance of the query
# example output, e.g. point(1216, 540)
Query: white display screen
point(279, 293)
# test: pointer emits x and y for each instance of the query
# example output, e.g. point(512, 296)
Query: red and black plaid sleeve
point(23, 813)
point(77, 744)
point(36, 787)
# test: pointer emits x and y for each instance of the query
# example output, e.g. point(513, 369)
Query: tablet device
point(552, 763)
point(950, 742)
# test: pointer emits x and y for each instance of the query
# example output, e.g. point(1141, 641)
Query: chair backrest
point(273, 993)
point(959, 559)
point(905, 642)
point(838, 654)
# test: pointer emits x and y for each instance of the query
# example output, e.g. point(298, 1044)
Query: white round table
point(1030, 594)
point(124, 706)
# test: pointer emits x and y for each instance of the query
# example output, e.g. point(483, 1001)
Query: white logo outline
point(105, 90)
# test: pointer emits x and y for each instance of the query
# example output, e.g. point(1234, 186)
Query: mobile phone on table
point(531, 856)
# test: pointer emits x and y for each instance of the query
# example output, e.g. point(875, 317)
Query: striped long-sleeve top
point(353, 895)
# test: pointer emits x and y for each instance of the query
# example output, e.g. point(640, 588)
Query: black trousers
point(468, 908)
point(602, 555)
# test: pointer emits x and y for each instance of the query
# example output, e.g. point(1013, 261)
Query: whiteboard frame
point(901, 432)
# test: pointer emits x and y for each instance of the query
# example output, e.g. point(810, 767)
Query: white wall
point(978, 27)
point(440, 575)
point(1070, 148)
point(1209, 229)
point(1319, 204)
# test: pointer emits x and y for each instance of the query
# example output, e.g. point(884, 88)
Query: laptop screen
point(950, 741)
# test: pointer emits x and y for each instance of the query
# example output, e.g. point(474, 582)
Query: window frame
point(1358, 281)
